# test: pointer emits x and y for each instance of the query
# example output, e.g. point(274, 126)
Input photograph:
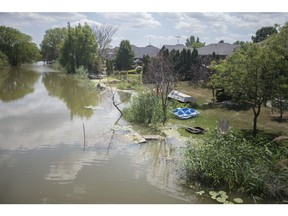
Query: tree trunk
point(281, 110)
point(256, 111)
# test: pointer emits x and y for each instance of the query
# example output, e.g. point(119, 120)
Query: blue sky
point(143, 28)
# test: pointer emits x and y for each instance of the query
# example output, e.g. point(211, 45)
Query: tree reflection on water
point(69, 91)
point(17, 83)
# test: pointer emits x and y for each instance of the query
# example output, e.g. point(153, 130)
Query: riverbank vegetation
point(17, 47)
point(233, 162)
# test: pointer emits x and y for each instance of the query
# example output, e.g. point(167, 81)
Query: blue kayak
point(185, 113)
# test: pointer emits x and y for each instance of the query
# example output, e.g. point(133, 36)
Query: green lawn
point(239, 119)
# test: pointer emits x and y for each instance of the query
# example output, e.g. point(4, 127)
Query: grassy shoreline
point(240, 120)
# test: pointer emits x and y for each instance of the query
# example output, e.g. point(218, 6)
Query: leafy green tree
point(146, 60)
point(51, 43)
point(109, 67)
point(263, 33)
point(194, 42)
point(3, 61)
point(79, 48)
point(248, 77)
point(278, 44)
point(239, 42)
point(124, 56)
point(17, 46)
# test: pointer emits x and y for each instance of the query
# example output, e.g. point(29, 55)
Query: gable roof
point(176, 47)
point(148, 50)
point(223, 49)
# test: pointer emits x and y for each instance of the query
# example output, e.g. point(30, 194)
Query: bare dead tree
point(161, 79)
point(104, 34)
point(113, 97)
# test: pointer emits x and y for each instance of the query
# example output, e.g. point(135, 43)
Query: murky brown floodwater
point(43, 157)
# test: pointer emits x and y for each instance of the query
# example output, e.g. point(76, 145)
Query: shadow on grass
point(248, 134)
point(237, 107)
point(277, 119)
point(225, 105)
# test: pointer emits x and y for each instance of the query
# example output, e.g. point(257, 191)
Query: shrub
point(81, 72)
point(145, 109)
point(231, 161)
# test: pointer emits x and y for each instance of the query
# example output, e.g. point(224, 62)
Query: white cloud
point(133, 20)
point(85, 20)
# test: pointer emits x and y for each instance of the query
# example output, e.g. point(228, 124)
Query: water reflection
point(43, 159)
point(68, 90)
point(17, 83)
point(66, 170)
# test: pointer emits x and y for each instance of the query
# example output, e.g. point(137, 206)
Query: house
point(110, 53)
point(139, 52)
point(177, 47)
point(148, 50)
point(220, 49)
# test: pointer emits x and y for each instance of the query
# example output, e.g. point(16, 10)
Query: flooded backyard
point(61, 143)
point(44, 157)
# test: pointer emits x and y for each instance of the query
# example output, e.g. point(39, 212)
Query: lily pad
point(227, 202)
point(200, 192)
point(220, 199)
point(214, 197)
point(224, 196)
point(222, 192)
point(213, 193)
point(238, 200)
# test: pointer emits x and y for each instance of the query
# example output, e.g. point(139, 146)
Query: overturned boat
point(184, 98)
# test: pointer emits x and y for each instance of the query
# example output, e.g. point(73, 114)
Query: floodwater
point(54, 150)
point(60, 143)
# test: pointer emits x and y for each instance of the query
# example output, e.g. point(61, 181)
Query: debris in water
point(200, 192)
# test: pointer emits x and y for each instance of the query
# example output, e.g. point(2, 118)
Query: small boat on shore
point(195, 130)
point(185, 113)
point(94, 76)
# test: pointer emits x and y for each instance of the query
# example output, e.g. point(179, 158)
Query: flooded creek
point(43, 156)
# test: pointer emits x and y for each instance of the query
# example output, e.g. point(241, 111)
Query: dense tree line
point(17, 47)
point(79, 49)
point(79, 46)
point(188, 65)
point(51, 44)
point(3, 60)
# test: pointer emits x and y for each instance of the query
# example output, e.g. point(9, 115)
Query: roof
point(176, 47)
point(223, 49)
point(148, 50)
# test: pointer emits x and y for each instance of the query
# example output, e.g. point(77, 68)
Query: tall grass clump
point(231, 161)
point(145, 109)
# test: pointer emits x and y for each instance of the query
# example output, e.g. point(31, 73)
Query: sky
point(155, 26)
